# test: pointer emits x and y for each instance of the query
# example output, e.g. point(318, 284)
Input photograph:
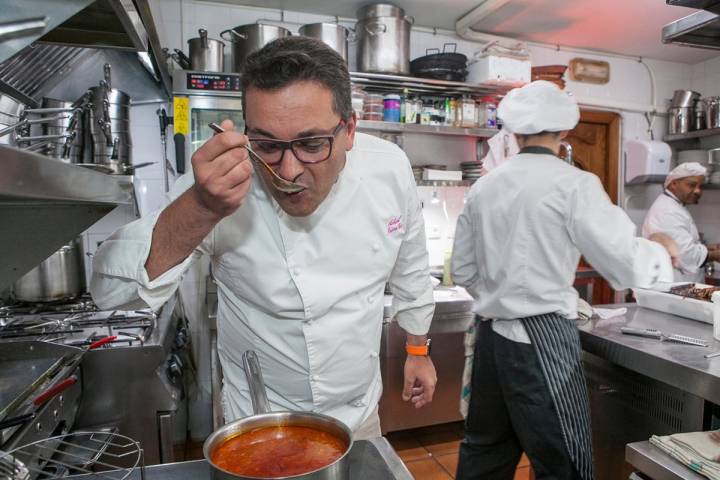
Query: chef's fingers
point(227, 125)
point(407, 387)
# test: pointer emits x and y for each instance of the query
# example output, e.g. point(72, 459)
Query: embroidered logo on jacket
point(394, 225)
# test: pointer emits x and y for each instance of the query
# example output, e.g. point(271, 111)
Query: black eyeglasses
point(307, 149)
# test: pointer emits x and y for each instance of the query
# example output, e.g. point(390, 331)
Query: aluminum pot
point(338, 470)
point(383, 36)
point(334, 35)
point(206, 54)
point(684, 98)
point(712, 117)
point(59, 277)
point(10, 112)
point(246, 39)
point(680, 120)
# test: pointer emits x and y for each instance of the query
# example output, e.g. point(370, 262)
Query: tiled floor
point(431, 453)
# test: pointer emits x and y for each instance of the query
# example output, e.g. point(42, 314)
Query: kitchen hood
point(712, 5)
point(44, 203)
point(125, 25)
point(701, 29)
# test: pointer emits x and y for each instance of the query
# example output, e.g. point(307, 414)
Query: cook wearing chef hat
point(517, 246)
point(669, 214)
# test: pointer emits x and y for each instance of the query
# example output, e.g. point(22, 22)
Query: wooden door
point(596, 148)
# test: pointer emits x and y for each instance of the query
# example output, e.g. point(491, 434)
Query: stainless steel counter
point(657, 464)
point(372, 459)
point(680, 366)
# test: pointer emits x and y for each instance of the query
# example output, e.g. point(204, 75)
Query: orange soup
point(274, 452)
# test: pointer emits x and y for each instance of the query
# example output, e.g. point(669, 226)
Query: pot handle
point(410, 19)
point(258, 395)
point(203, 38)
point(452, 44)
point(232, 32)
point(373, 28)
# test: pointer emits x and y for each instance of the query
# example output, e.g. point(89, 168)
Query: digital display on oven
point(219, 82)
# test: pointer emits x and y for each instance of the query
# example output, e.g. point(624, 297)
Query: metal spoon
point(278, 182)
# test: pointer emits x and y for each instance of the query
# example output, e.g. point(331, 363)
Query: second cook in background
point(669, 214)
point(301, 275)
point(517, 247)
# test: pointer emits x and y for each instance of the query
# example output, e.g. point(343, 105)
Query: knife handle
point(642, 332)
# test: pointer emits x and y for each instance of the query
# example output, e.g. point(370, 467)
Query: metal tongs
point(658, 335)
point(278, 182)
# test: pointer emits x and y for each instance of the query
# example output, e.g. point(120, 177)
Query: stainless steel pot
point(383, 35)
point(69, 122)
point(679, 120)
point(338, 470)
point(60, 277)
point(10, 112)
point(206, 54)
point(246, 39)
point(334, 35)
point(684, 98)
point(712, 118)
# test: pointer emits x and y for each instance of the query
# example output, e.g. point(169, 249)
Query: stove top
point(76, 323)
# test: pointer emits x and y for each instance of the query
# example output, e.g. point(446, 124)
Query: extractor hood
point(44, 203)
point(116, 24)
point(701, 29)
point(712, 5)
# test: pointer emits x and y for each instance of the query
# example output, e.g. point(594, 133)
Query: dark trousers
point(511, 411)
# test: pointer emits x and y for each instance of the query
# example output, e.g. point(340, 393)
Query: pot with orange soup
point(278, 445)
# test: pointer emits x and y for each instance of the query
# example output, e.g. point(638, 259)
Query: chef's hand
point(222, 172)
point(714, 253)
point(420, 380)
point(669, 245)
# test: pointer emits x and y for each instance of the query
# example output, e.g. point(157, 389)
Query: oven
point(198, 99)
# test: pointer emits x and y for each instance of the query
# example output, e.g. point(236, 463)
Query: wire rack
point(99, 454)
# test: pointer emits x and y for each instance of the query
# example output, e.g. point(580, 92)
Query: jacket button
point(296, 272)
point(374, 354)
point(313, 378)
point(376, 247)
point(370, 299)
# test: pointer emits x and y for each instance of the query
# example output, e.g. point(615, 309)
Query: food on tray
point(693, 290)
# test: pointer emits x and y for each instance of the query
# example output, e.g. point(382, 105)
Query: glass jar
point(467, 110)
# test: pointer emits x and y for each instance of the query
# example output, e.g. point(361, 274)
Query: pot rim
point(272, 415)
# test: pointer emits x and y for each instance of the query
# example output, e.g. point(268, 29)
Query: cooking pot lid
point(380, 10)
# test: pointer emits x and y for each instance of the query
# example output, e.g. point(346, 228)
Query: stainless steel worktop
point(657, 464)
point(369, 459)
point(681, 366)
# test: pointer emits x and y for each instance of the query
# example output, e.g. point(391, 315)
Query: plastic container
point(373, 116)
point(467, 110)
point(373, 98)
point(373, 108)
point(391, 108)
point(716, 315)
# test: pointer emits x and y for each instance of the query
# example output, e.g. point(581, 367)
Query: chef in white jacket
point(669, 214)
point(517, 246)
point(300, 276)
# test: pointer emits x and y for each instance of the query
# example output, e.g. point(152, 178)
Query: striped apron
point(557, 346)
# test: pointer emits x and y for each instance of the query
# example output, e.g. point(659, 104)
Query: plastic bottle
point(403, 105)
point(447, 279)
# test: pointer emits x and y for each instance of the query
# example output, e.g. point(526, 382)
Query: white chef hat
point(688, 169)
point(537, 107)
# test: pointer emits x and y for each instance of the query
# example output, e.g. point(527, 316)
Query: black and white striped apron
point(557, 345)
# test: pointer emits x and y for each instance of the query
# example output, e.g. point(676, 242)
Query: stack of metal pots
point(108, 125)
point(68, 149)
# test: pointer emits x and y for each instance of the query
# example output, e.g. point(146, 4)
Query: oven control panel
point(213, 82)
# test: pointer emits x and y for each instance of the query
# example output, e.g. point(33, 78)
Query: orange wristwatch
point(418, 350)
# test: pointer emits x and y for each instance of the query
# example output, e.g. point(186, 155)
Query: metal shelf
point(393, 127)
point(660, 181)
point(394, 83)
point(678, 137)
point(444, 183)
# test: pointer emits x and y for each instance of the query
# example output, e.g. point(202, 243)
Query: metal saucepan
point(60, 277)
point(206, 54)
point(263, 418)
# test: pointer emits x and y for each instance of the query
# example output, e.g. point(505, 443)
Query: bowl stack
point(471, 171)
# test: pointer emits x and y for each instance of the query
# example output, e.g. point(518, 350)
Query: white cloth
point(688, 169)
point(305, 293)
point(539, 106)
point(669, 216)
point(682, 448)
point(517, 257)
point(501, 146)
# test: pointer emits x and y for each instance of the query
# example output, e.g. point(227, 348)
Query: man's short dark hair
point(526, 137)
point(292, 59)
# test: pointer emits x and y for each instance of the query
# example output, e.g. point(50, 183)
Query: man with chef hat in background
point(517, 257)
point(669, 214)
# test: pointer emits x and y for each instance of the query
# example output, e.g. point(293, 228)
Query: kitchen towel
point(684, 450)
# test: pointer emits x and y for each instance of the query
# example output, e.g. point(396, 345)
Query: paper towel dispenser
point(646, 161)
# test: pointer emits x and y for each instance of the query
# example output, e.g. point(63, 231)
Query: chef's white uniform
point(668, 215)
point(305, 293)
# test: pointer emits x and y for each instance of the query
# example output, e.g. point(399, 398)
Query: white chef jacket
point(305, 293)
point(668, 215)
point(522, 231)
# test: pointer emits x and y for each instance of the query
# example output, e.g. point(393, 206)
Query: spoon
point(278, 182)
